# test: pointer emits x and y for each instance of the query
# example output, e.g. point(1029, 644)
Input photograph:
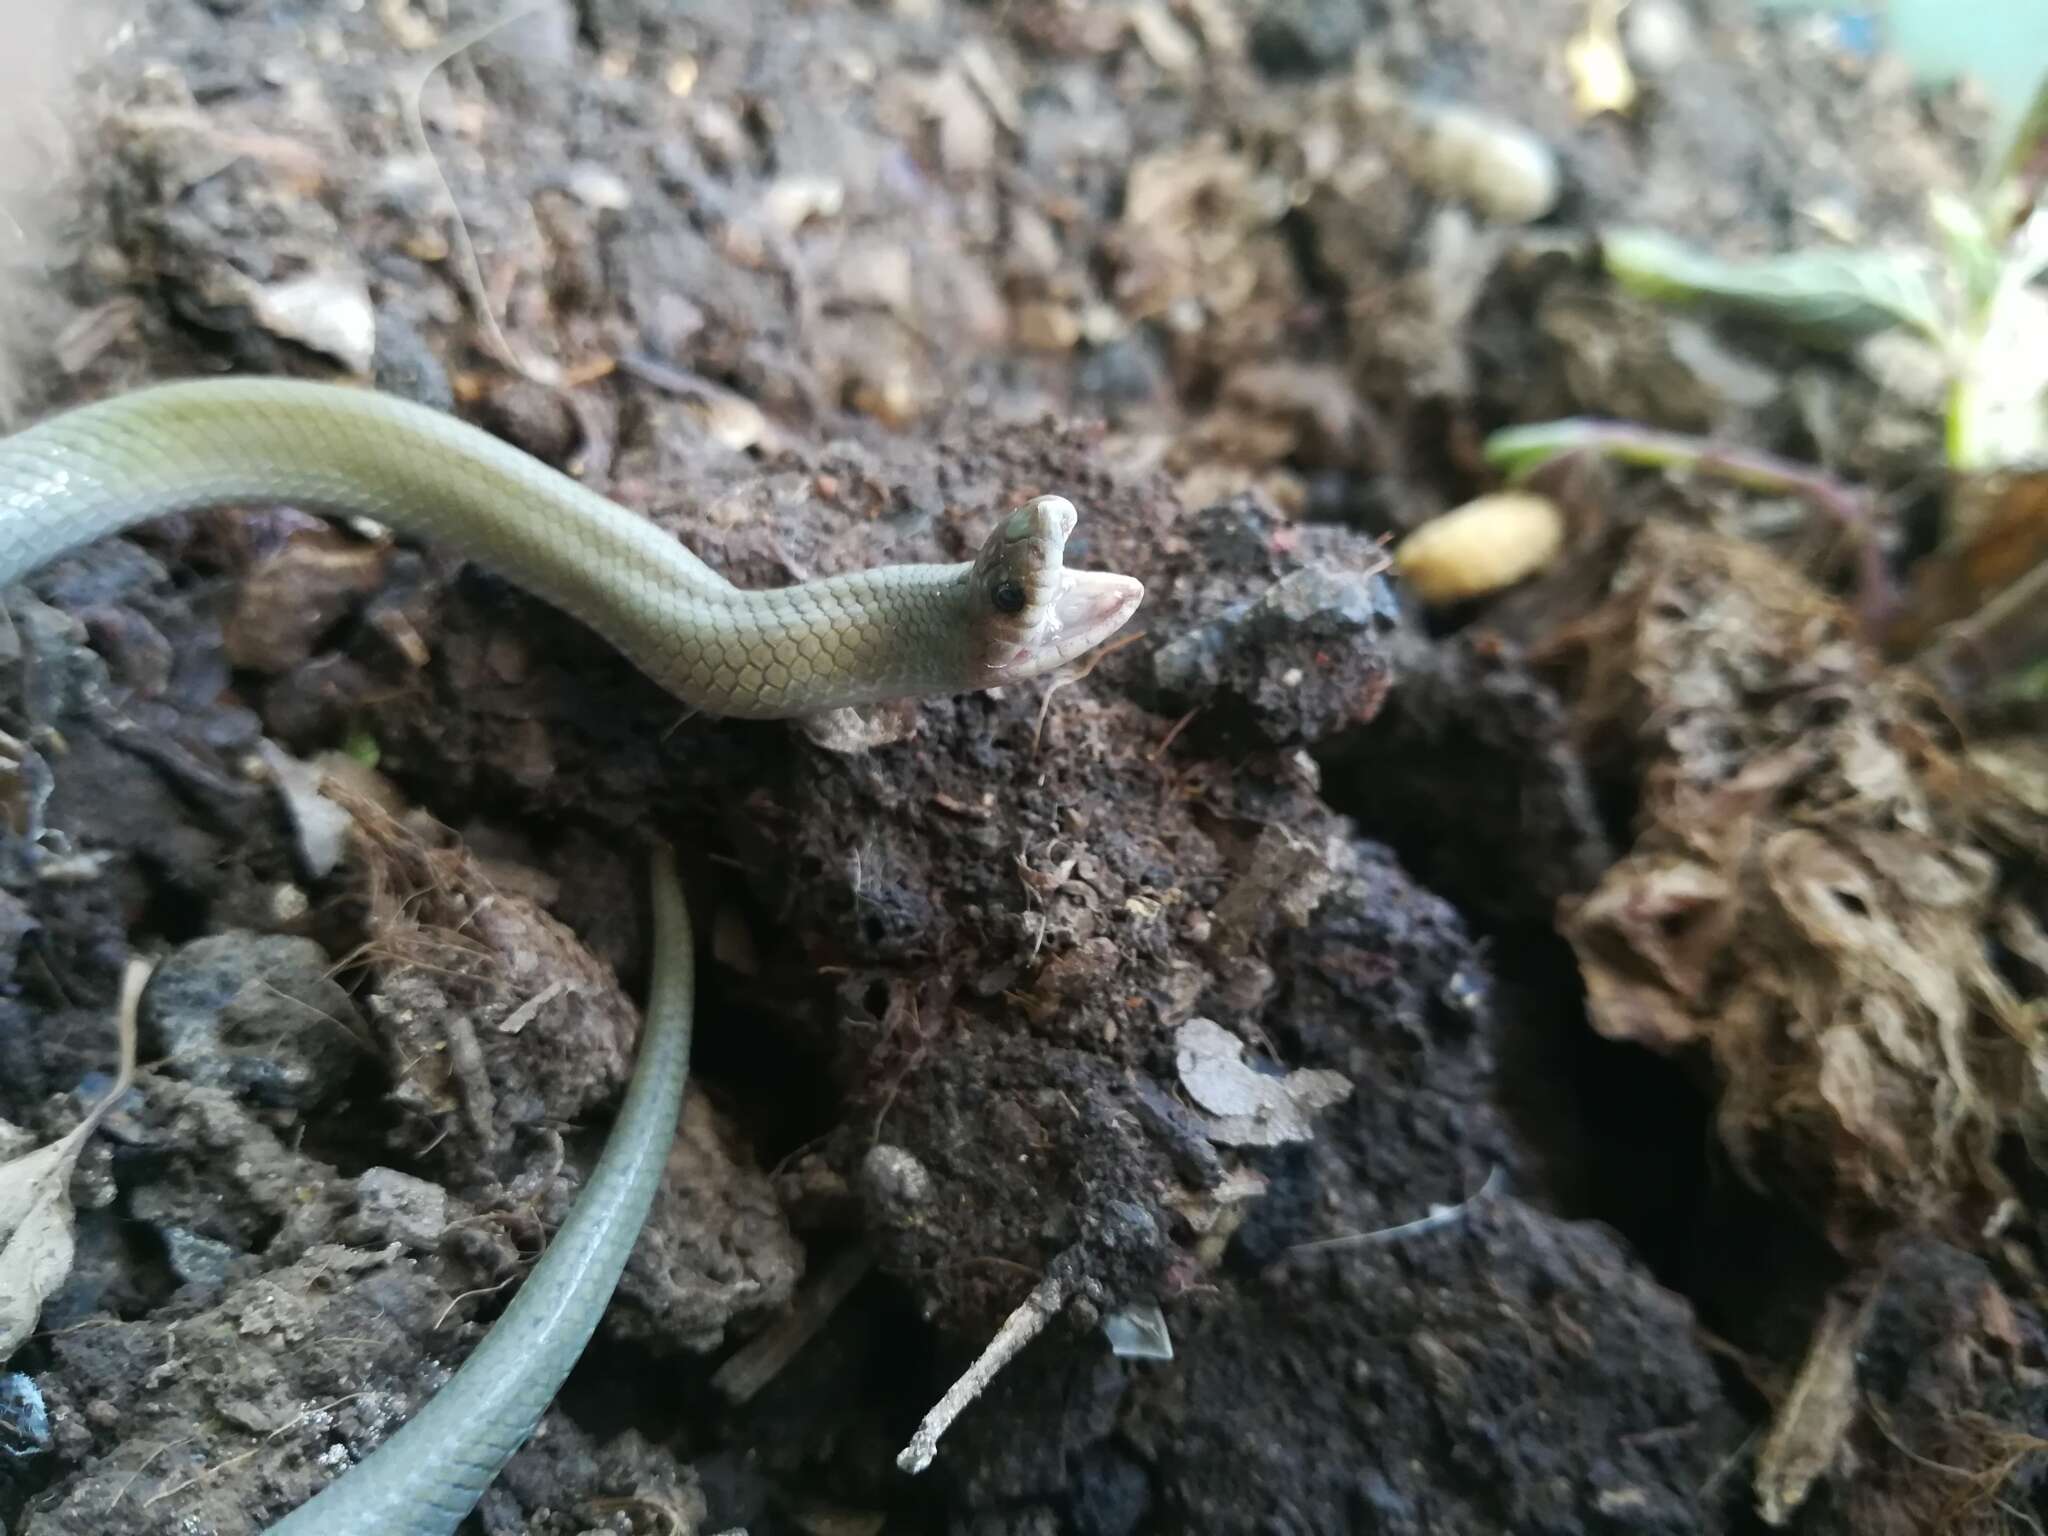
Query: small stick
point(760, 1360)
point(1019, 1329)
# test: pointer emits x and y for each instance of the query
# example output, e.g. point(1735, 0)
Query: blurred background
point(2004, 43)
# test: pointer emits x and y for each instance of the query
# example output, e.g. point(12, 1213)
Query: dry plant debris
point(1242, 1105)
point(1827, 901)
point(1810, 897)
point(36, 1238)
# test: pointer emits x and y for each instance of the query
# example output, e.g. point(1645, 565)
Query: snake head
point(1030, 613)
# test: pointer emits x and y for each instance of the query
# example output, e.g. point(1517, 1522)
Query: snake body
point(427, 1477)
point(872, 636)
point(890, 632)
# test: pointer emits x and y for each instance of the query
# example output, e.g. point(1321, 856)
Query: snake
point(886, 634)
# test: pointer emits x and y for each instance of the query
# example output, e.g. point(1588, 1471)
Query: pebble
point(253, 1013)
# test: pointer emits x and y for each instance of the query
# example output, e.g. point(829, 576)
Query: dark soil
point(943, 978)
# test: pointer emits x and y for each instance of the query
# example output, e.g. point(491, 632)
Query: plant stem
point(1520, 451)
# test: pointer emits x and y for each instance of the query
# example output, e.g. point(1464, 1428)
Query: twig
point(673, 379)
point(142, 1467)
point(1168, 739)
point(761, 1359)
point(1019, 1329)
point(482, 1290)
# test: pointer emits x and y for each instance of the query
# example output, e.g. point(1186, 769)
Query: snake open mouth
point(1092, 606)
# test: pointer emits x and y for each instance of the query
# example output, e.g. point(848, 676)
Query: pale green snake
point(872, 636)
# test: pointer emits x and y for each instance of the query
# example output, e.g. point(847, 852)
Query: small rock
point(1660, 35)
point(1308, 658)
point(196, 1260)
point(138, 655)
point(533, 417)
point(394, 1207)
point(255, 1014)
point(407, 366)
point(1720, 369)
point(1043, 325)
point(599, 188)
point(896, 1185)
point(1124, 371)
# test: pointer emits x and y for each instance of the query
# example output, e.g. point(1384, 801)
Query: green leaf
point(1828, 298)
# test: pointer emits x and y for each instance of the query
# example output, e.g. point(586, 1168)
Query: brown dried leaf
point(293, 596)
point(1998, 533)
point(1189, 214)
point(1286, 881)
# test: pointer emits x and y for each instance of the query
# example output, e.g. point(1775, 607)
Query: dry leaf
point(1812, 1422)
point(36, 1242)
point(1247, 1107)
point(1997, 535)
point(321, 825)
point(1285, 881)
point(329, 312)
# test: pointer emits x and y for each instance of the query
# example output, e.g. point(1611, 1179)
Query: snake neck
point(868, 637)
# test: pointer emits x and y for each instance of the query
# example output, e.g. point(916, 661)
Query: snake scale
point(868, 637)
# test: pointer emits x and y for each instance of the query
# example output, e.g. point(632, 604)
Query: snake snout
point(1049, 518)
point(1033, 613)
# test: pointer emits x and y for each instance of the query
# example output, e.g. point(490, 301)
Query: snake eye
point(1008, 597)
